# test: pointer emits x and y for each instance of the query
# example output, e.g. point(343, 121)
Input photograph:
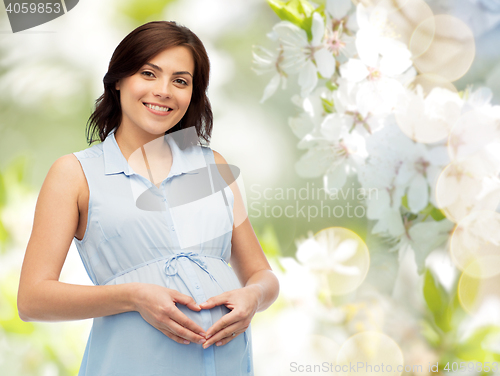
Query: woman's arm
point(42, 297)
point(261, 287)
point(251, 266)
point(247, 257)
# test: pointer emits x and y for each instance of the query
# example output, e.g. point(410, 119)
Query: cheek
point(133, 90)
point(186, 99)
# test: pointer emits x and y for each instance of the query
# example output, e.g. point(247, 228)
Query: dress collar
point(183, 161)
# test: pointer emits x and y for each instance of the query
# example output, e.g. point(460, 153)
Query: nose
point(163, 89)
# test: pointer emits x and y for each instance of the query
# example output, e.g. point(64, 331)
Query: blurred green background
point(50, 77)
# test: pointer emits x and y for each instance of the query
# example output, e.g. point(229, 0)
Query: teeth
point(158, 108)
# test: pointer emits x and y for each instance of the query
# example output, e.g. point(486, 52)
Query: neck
point(131, 142)
point(143, 151)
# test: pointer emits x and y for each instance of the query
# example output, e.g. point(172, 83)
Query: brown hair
point(132, 53)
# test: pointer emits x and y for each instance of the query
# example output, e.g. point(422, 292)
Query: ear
point(117, 85)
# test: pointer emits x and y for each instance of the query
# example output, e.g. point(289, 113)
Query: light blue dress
point(185, 247)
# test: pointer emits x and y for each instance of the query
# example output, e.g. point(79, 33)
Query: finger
point(186, 300)
point(184, 333)
point(225, 321)
point(180, 318)
point(214, 301)
point(223, 341)
point(174, 337)
point(225, 335)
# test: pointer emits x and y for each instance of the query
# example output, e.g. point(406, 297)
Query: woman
point(154, 223)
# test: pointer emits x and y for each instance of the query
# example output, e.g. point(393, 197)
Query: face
point(157, 96)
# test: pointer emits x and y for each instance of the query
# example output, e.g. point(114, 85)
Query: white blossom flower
point(383, 61)
point(339, 27)
point(469, 185)
point(479, 99)
point(376, 42)
point(423, 238)
point(367, 122)
point(335, 154)
point(338, 42)
point(317, 257)
point(305, 57)
point(351, 151)
point(336, 142)
point(377, 93)
point(474, 132)
point(306, 126)
point(419, 172)
point(297, 284)
point(266, 61)
point(346, 106)
point(388, 151)
point(323, 152)
point(428, 119)
point(338, 9)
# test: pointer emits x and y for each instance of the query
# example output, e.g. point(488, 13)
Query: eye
point(148, 74)
point(181, 81)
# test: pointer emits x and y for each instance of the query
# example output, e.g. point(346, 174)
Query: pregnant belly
point(125, 344)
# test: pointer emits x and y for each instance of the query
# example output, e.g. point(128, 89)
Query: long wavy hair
point(137, 48)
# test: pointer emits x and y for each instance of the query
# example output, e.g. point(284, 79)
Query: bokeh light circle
point(472, 132)
point(315, 349)
point(338, 257)
point(428, 119)
point(366, 3)
point(404, 16)
point(443, 45)
point(475, 244)
point(475, 293)
point(430, 81)
point(370, 348)
point(464, 187)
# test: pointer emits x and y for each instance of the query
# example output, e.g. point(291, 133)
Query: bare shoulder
point(230, 174)
point(67, 164)
point(219, 159)
point(55, 221)
point(66, 175)
point(225, 170)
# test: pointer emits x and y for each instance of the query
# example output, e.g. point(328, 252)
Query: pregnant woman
point(158, 221)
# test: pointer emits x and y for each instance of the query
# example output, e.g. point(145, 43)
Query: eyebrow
point(161, 70)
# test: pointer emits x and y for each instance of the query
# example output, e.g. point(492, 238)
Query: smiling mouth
point(158, 108)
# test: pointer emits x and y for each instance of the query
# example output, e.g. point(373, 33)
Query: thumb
point(213, 301)
point(184, 299)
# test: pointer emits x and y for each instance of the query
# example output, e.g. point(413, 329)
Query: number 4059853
point(33, 8)
point(471, 367)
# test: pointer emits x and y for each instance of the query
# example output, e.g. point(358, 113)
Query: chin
point(157, 132)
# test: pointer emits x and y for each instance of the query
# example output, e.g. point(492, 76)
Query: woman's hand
point(156, 304)
point(243, 304)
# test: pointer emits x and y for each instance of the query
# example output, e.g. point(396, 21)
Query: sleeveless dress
point(180, 238)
